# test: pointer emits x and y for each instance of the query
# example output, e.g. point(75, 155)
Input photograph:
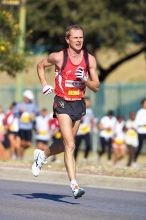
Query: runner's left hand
point(80, 74)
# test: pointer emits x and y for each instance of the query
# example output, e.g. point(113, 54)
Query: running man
point(76, 70)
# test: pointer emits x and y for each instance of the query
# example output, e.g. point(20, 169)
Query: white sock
point(42, 157)
point(42, 154)
point(73, 183)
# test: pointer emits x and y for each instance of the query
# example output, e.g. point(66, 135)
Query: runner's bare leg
point(57, 149)
point(54, 149)
point(68, 130)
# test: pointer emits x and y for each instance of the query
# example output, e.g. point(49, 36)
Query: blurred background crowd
point(24, 126)
point(115, 123)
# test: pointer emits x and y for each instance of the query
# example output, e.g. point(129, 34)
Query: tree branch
point(105, 72)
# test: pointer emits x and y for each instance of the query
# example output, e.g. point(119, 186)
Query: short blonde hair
point(70, 27)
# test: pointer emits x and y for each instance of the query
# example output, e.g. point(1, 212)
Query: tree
point(11, 61)
point(129, 26)
point(108, 24)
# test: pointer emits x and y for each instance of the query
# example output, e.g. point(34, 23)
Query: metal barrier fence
point(122, 98)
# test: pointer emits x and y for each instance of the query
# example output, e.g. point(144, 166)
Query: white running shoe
point(39, 160)
point(78, 192)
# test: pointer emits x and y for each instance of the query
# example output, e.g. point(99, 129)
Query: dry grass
point(131, 71)
point(92, 166)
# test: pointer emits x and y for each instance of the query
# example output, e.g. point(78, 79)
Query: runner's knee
point(70, 146)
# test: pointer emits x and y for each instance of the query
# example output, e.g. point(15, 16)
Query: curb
point(86, 180)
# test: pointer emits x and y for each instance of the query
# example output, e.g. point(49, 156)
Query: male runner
point(76, 71)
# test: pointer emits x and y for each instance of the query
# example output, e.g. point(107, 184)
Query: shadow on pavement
point(53, 197)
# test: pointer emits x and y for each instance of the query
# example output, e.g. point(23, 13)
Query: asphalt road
point(39, 201)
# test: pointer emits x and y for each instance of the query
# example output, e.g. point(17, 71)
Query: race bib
point(131, 133)
point(25, 117)
point(73, 89)
point(1, 128)
point(118, 141)
point(73, 92)
point(85, 129)
point(42, 132)
point(108, 131)
point(57, 135)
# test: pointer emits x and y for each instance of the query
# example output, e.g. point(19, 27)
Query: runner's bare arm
point(52, 59)
point(92, 82)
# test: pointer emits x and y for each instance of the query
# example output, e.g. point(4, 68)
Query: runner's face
point(75, 40)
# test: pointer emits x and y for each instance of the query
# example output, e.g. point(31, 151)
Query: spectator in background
point(140, 121)
point(4, 151)
point(119, 146)
point(131, 138)
point(56, 135)
point(106, 131)
point(42, 133)
point(54, 128)
point(26, 111)
point(2, 128)
point(84, 132)
point(12, 128)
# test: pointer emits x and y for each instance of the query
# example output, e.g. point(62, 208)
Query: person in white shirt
point(42, 134)
point(4, 153)
point(12, 127)
point(26, 111)
point(119, 146)
point(2, 129)
point(106, 132)
point(56, 136)
point(140, 122)
point(131, 138)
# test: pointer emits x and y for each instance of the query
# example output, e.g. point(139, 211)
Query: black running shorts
point(25, 134)
point(75, 109)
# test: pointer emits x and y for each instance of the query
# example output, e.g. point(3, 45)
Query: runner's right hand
point(47, 89)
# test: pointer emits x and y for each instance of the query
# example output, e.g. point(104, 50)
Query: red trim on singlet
point(67, 85)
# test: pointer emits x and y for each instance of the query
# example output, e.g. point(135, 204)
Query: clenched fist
point(47, 89)
point(80, 74)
